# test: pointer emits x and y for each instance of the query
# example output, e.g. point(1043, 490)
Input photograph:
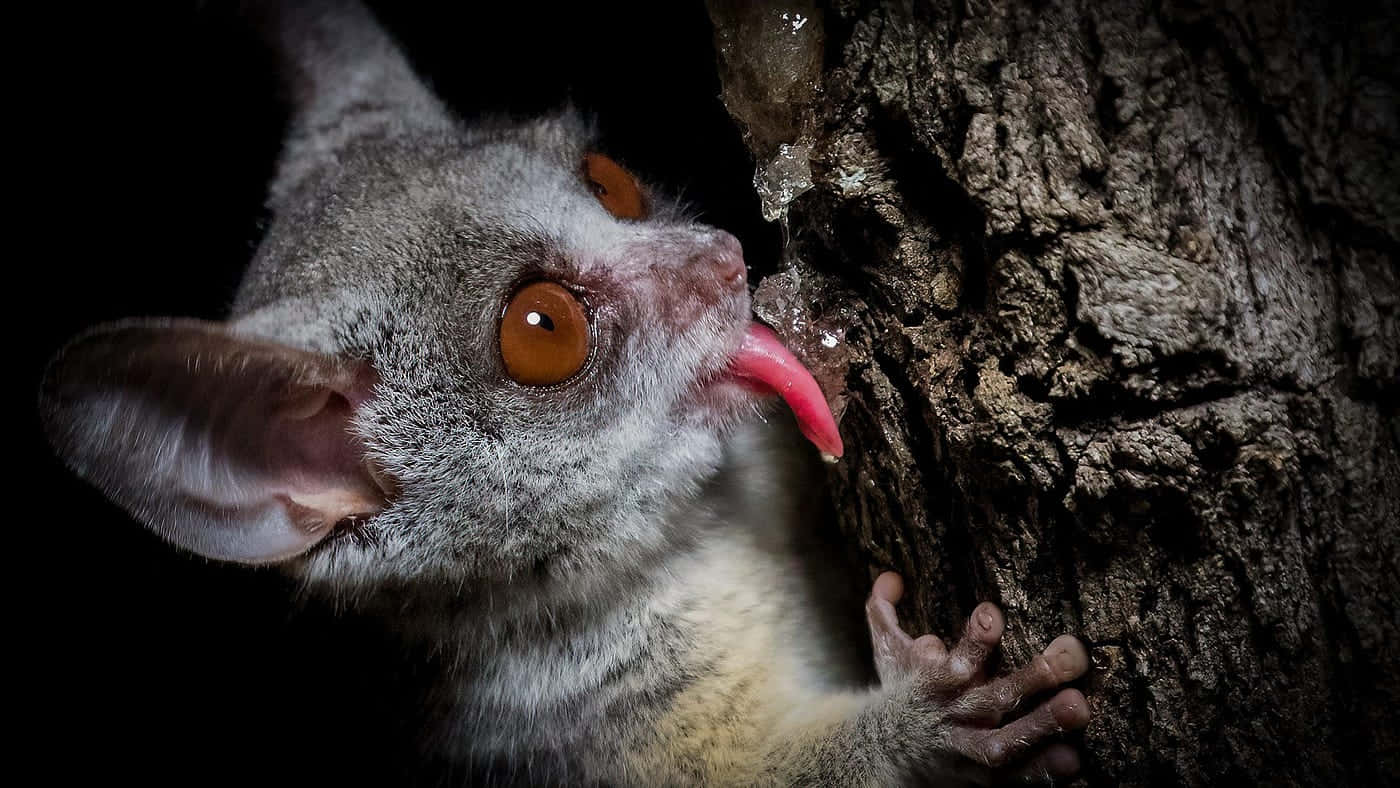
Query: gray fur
point(608, 570)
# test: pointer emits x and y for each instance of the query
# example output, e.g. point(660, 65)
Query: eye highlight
point(545, 336)
point(614, 187)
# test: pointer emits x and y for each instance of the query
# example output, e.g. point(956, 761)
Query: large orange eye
point(544, 335)
point(614, 187)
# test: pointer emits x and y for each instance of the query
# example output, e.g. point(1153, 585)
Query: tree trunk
point(1107, 299)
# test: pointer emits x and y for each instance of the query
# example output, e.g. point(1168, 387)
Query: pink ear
point(236, 449)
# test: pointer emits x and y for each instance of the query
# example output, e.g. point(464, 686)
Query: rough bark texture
point(1108, 296)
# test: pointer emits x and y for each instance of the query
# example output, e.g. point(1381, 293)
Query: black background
point(150, 132)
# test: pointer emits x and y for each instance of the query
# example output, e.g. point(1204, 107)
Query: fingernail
point(1066, 714)
point(984, 619)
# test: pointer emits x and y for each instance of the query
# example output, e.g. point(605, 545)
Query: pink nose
point(727, 259)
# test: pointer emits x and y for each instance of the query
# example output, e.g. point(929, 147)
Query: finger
point(948, 678)
point(1068, 656)
point(1057, 760)
point(1066, 711)
point(879, 608)
point(889, 586)
point(1054, 761)
point(983, 632)
point(1065, 659)
point(888, 642)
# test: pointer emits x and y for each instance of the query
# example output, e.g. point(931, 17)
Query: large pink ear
point(236, 449)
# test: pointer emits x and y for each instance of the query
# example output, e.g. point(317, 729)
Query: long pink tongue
point(762, 358)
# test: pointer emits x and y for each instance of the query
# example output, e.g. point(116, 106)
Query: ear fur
point(347, 80)
point(233, 448)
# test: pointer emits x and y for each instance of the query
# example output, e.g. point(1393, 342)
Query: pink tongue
point(762, 358)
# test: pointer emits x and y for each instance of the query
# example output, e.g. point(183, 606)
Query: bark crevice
point(1127, 331)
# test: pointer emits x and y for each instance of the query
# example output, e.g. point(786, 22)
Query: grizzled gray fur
point(609, 564)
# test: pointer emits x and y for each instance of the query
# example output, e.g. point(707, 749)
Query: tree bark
point(1106, 297)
